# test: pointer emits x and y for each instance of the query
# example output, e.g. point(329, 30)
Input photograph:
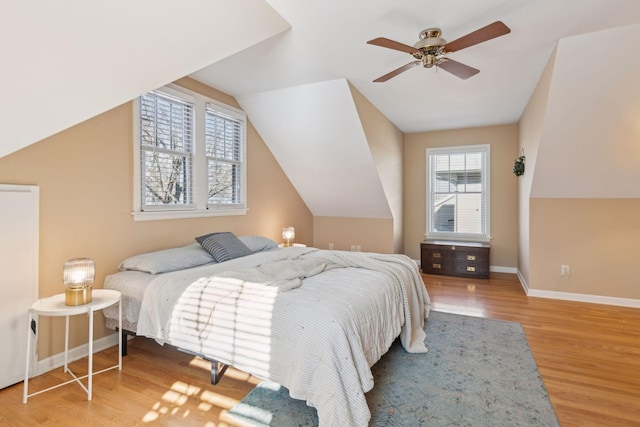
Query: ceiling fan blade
point(383, 42)
point(458, 69)
point(396, 72)
point(489, 32)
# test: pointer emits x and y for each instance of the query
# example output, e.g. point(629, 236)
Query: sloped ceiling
point(315, 133)
point(328, 42)
point(64, 62)
point(590, 140)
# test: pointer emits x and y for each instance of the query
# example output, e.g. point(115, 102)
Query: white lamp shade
point(288, 234)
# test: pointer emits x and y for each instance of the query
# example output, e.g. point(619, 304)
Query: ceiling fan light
point(429, 61)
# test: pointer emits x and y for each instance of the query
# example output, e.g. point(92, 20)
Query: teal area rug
point(478, 372)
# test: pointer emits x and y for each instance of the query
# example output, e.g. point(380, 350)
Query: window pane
point(166, 178)
point(165, 123)
point(222, 137)
point(223, 183)
point(443, 179)
point(468, 213)
point(223, 147)
point(166, 136)
point(444, 213)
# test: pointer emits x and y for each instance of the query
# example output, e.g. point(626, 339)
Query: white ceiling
point(72, 60)
point(328, 160)
point(328, 38)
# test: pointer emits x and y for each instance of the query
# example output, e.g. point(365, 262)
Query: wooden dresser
point(467, 259)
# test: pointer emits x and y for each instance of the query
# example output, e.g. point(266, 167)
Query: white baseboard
point(523, 283)
point(595, 299)
point(571, 296)
point(57, 360)
point(567, 296)
point(498, 269)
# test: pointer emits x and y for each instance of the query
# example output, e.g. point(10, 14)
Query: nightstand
point(55, 307)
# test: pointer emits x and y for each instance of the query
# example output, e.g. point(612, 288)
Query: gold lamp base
point(78, 296)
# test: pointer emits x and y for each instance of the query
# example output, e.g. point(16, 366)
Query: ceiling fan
point(431, 50)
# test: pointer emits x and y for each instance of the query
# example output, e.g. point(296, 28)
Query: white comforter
point(318, 339)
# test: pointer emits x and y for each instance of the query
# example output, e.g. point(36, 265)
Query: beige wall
point(504, 186)
point(386, 143)
point(530, 128)
point(578, 201)
point(372, 235)
point(85, 179)
point(596, 238)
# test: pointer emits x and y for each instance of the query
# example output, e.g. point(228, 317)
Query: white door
point(18, 276)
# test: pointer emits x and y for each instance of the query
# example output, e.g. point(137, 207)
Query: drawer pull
point(436, 255)
point(471, 269)
point(437, 266)
point(471, 257)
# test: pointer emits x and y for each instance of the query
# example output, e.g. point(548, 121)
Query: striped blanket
point(316, 331)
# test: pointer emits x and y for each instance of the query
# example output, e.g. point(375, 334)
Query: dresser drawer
point(471, 263)
point(435, 259)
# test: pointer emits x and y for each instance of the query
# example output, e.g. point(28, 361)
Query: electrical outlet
point(330, 246)
point(353, 248)
point(564, 270)
point(357, 248)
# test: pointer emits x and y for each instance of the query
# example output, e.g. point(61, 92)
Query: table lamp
point(78, 274)
point(288, 234)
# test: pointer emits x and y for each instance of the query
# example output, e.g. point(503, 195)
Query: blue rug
point(478, 372)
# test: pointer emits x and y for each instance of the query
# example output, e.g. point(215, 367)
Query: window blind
point(166, 142)
point(223, 142)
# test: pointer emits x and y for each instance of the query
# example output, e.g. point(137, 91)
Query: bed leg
point(123, 337)
point(217, 371)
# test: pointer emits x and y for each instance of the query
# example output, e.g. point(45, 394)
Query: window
point(189, 156)
point(224, 161)
point(458, 193)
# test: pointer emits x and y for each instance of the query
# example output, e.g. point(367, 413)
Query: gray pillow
point(223, 246)
point(166, 260)
point(258, 243)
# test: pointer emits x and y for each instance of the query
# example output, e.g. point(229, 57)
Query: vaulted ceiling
point(66, 62)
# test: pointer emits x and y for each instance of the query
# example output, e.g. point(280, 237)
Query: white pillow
point(166, 260)
point(258, 243)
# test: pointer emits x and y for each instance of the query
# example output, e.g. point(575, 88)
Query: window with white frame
point(189, 156)
point(458, 193)
point(224, 157)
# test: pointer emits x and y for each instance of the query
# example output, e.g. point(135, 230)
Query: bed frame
point(217, 368)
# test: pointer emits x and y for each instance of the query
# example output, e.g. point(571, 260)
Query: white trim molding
point(499, 269)
point(571, 296)
point(595, 299)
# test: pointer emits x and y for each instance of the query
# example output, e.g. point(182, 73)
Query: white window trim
point(200, 189)
point(486, 183)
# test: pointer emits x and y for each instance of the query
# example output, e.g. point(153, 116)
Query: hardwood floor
point(588, 356)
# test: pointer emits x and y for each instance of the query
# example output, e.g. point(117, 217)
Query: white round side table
point(55, 306)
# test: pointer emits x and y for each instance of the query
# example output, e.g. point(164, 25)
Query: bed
point(312, 320)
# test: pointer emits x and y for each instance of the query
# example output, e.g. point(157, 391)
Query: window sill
point(449, 237)
point(165, 215)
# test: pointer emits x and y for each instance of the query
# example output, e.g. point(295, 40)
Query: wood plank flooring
point(588, 356)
